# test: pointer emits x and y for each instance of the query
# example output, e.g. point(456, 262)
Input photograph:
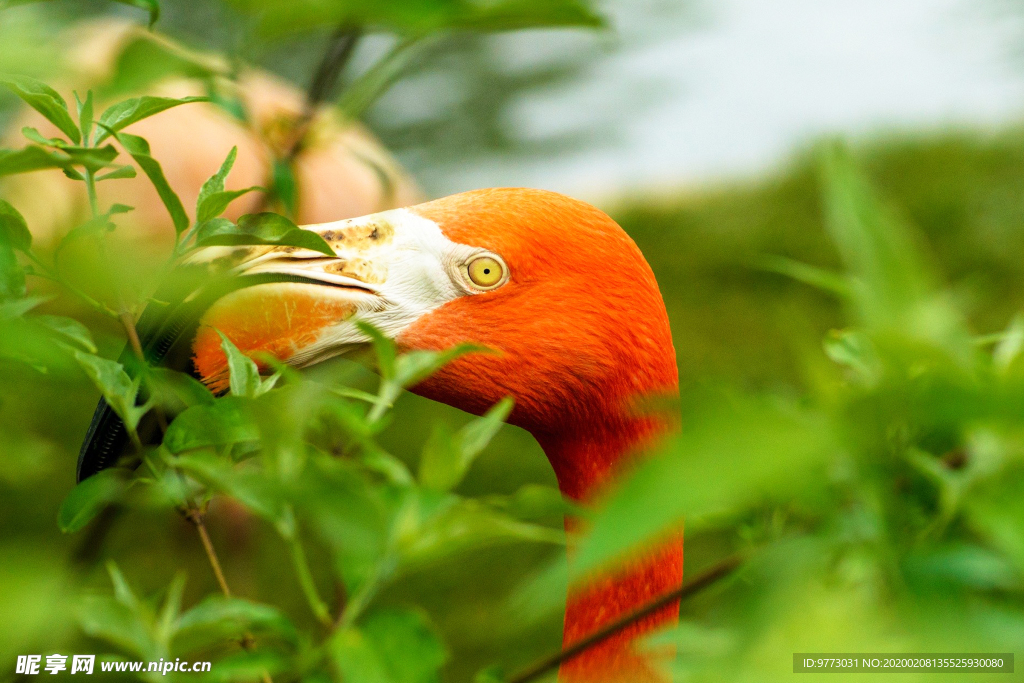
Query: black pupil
point(487, 271)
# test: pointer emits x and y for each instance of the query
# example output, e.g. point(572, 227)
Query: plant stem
point(702, 581)
point(90, 188)
point(49, 274)
point(339, 50)
point(316, 604)
point(196, 517)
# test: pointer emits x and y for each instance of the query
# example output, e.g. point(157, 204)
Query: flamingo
point(555, 287)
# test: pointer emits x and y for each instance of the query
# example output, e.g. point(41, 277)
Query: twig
point(196, 517)
point(339, 50)
point(702, 581)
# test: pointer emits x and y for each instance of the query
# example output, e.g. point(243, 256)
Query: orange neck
point(584, 461)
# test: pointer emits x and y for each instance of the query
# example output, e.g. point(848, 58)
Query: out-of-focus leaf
point(148, 58)
point(227, 421)
point(151, 6)
point(218, 619)
point(69, 328)
point(260, 228)
point(117, 388)
point(31, 158)
point(85, 113)
point(12, 275)
point(124, 114)
point(175, 391)
point(751, 450)
point(447, 457)
point(393, 646)
point(96, 225)
point(894, 286)
point(19, 307)
point(414, 367)
point(261, 494)
point(285, 188)
point(283, 17)
point(138, 148)
point(44, 100)
point(808, 274)
point(456, 526)
point(90, 497)
point(122, 620)
point(13, 228)
point(103, 617)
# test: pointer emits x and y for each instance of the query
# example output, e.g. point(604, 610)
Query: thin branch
point(339, 50)
point(702, 581)
point(196, 517)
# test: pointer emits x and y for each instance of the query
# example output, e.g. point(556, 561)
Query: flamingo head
point(558, 294)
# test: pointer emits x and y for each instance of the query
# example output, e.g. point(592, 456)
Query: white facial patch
point(393, 267)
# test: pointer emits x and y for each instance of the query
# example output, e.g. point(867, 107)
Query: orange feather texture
point(580, 333)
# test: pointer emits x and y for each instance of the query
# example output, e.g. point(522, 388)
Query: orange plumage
point(580, 333)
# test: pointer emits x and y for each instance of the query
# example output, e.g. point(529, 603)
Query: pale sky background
point(752, 81)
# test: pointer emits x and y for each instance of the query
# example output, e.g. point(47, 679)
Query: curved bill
point(296, 305)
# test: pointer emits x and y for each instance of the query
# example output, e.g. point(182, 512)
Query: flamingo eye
point(486, 272)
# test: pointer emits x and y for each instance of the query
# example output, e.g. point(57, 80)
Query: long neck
point(585, 460)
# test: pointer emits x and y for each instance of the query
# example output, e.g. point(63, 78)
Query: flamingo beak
point(389, 269)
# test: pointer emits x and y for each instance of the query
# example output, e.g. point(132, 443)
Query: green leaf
point(117, 388)
point(216, 203)
point(226, 421)
point(120, 173)
point(895, 287)
point(752, 450)
point(92, 158)
point(90, 497)
point(260, 228)
point(31, 158)
point(414, 367)
point(218, 619)
point(138, 148)
point(12, 275)
point(383, 347)
point(69, 328)
point(92, 227)
point(33, 135)
point(101, 616)
point(175, 391)
point(13, 228)
point(44, 100)
point(245, 375)
point(124, 114)
point(215, 183)
point(412, 17)
point(393, 646)
point(447, 457)
point(19, 307)
point(85, 110)
point(151, 6)
point(285, 187)
point(458, 526)
point(167, 620)
point(123, 619)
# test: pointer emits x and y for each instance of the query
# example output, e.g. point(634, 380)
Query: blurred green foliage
point(850, 356)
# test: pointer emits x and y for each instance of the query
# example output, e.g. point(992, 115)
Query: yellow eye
point(486, 271)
